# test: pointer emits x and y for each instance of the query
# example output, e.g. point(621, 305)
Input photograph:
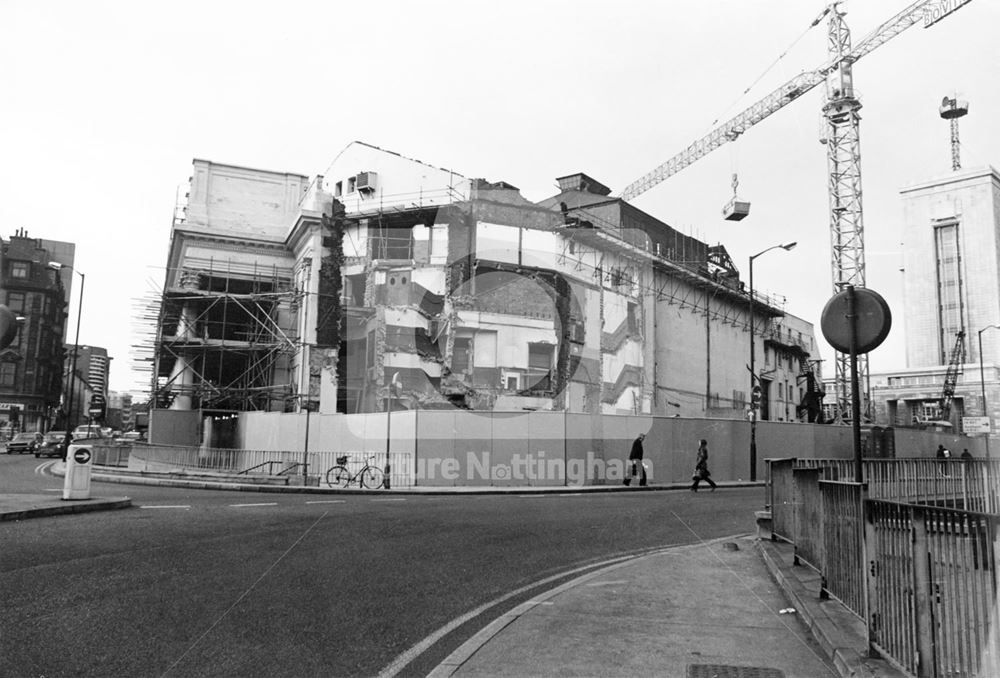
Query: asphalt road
point(217, 583)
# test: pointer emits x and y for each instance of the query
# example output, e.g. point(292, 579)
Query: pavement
point(729, 608)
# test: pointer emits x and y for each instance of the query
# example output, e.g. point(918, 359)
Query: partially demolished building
point(387, 282)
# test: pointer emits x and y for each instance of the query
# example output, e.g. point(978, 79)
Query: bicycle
point(369, 477)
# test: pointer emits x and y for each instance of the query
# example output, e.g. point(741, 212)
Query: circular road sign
point(874, 320)
point(81, 456)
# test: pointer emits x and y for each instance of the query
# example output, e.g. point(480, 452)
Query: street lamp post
point(753, 374)
point(982, 382)
point(391, 392)
point(56, 266)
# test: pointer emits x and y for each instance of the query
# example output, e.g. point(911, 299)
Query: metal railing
point(111, 455)
point(843, 543)
point(781, 497)
point(933, 588)
point(166, 459)
point(973, 484)
point(921, 572)
point(809, 518)
point(961, 483)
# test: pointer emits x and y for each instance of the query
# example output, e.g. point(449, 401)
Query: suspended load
point(735, 209)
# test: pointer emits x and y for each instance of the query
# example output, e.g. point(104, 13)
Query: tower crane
point(840, 111)
point(951, 376)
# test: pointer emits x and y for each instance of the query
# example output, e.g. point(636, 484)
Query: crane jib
point(942, 9)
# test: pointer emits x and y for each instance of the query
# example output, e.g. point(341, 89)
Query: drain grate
point(725, 671)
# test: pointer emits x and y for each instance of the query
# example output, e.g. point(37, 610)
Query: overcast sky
point(106, 103)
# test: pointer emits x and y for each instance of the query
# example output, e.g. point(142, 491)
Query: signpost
point(976, 425)
point(856, 320)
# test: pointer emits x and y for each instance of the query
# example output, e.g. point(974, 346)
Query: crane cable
point(774, 63)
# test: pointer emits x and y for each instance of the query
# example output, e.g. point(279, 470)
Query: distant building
point(31, 367)
point(951, 285)
point(93, 365)
point(391, 282)
point(119, 411)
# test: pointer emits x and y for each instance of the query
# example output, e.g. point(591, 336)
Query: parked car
point(24, 442)
point(53, 445)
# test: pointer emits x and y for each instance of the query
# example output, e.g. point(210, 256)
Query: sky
point(105, 104)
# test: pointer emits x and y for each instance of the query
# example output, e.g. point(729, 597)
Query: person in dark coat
point(701, 471)
point(943, 454)
point(635, 457)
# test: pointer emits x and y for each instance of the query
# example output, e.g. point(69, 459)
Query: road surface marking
point(53, 489)
point(593, 570)
point(41, 468)
point(615, 582)
point(571, 494)
point(163, 506)
point(393, 499)
point(245, 593)
point(327, 501)
point(273, 503)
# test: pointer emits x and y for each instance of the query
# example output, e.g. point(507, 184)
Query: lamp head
point(55, 265)
point(789, 246)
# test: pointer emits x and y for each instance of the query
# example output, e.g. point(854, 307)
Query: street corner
point(20, 507)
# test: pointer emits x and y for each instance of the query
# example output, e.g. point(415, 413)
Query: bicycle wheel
point(372, 477)
point(338, 476)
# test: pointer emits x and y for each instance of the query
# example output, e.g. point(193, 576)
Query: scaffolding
point(222, 338)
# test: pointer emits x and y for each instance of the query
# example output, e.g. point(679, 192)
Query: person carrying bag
point(701, 471)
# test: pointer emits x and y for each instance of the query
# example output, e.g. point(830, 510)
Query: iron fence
point(904, 552)
point(892, 628)
point(809, 519)
point(932, 584)
point(781, 497)
point(972, 484)
point(843, 542)
point(166, 459)
point(111, 455)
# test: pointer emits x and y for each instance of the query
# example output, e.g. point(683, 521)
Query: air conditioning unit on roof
point(366, 181)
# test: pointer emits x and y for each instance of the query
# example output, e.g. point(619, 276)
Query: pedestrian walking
point(635, 460)
point(943, 454)
point(701, 471)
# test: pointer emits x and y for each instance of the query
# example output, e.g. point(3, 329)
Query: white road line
point(40, 469)
point(273, 503)
point(393, 499)
point(327, 501)
point(159, 507)
point(53, 489)
point(614, 582)
point(571, 494)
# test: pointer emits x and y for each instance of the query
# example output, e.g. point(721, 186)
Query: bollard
point(79, 462)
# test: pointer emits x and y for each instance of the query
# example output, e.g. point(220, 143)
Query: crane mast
point(847, 243)
point(840, 111)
